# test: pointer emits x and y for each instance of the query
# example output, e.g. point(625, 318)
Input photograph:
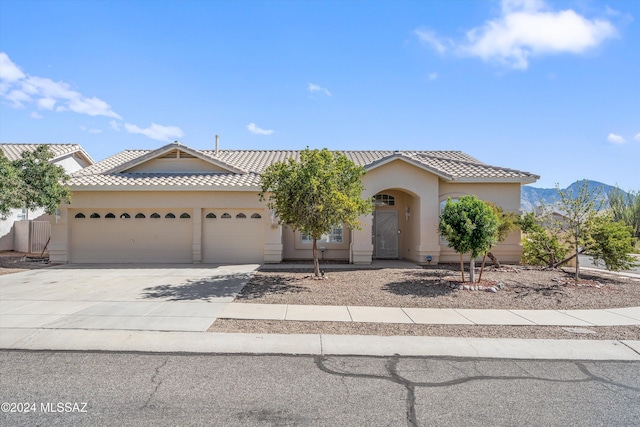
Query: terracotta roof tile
point(453, 165)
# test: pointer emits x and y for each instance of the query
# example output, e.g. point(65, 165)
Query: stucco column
point(196, 218)
point(429, 217)
point(361, 250)
point(60, 237)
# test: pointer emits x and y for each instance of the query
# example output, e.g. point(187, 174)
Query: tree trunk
point(484, 258)
point(493, 259)
point(472, 273)
point(316, 266)
point(462, 268)
point(577, 265)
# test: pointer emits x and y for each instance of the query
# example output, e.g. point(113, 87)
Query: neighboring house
point(181, 205)
point(14, 231)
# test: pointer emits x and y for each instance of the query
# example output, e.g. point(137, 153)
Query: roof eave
point(78, 188)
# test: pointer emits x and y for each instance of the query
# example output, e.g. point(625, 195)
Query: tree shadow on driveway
point(206, 289)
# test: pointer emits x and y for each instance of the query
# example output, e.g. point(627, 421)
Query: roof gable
point(174, 158)
point(60, 151)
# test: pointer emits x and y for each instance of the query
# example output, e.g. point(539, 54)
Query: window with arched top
point(110, 215)
point(80, 215)
point(384, 200)
point(125, 216)
point(256, 216)
point(185, 215)
point(225, 215)
point(94, 215)
point(140, 215)
point(211, 215)
point(169, 215)
point(154, 215)
point(241, 216)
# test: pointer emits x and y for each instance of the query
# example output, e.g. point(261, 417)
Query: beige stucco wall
point(176, 165)
point(294, 249)
point(505, 195)
point(420, 192)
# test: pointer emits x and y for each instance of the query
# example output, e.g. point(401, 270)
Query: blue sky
point(550, 87)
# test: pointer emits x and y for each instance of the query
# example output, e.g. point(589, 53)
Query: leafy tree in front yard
point(320, 191)
point(575, 227)
point(41, 183)
point(10, 187)
point(626, 207)
point(470, 226)
point(507, 223)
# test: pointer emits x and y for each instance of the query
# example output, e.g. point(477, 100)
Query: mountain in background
point(532, 196)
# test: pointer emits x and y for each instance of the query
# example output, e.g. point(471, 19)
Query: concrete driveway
point(131, 297)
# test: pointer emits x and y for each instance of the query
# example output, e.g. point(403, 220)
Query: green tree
point(33, 182)
point(10, 187)
point(626, 207)
point(470, 226)
point(320, 191)
point(576, 226)
point(611, 243)
point(507, 222)
point(539, 245)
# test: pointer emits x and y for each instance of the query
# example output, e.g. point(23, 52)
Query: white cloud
point(316, 88)
point(524, 29)
point(46, 103)
point(637, 137)
point(156, 131)
point(432, 76)
point(20, 88)
point(17, 97)
point(430, 38)
point(35, 115)
point(9, 72)
point(92, 107)
point(258, 131)
point(615, 139)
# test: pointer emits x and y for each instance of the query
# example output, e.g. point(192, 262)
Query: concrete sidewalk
point(433, 316)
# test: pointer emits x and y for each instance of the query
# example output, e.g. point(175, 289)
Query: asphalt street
point(91, 388)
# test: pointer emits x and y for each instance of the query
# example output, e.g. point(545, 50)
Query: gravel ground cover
point(14, 262)
point(436, 287)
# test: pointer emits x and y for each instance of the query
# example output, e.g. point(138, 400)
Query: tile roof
point(450, 165)
point(14, 151)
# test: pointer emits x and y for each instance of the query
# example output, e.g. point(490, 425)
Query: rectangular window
point(334, 237)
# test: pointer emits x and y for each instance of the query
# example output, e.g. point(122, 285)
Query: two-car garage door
point(165, 236)
point(133, 236)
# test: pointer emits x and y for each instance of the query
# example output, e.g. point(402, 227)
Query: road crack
point(155, 379)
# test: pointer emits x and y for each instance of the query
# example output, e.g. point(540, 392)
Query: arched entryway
point(395, 229)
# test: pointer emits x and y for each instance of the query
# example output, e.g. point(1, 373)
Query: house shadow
point(262, 286)
point(206, 289)
point(420, 285)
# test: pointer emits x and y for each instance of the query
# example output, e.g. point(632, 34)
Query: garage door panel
point(131, 240)
point(232, 240)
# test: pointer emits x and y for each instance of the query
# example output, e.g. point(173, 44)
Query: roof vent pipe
point(217, 140)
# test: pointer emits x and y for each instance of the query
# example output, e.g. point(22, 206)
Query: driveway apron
point(120, 297)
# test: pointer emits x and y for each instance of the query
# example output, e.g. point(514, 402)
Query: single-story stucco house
point(18, 231)
point(181, 205)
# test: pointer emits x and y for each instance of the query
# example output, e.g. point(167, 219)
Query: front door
point(386, 234)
